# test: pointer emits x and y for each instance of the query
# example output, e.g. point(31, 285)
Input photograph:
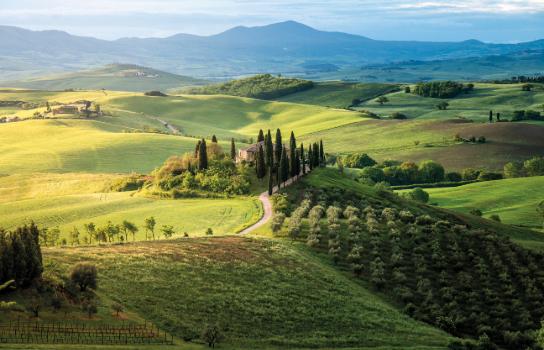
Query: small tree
point(129, 227)
point(495, 217)
point(117, 308)
point(34, 307)
point(214, 139)
point(232, 149)
point(277, 222)
point(442, 105)
point(381, 100)
point(418, 194)
point(84, 275)
point(89, 307)
point(150, 226)
point(212, 335)
point(167, 231)
point(209, 232)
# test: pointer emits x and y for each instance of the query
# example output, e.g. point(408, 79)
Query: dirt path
point(267, 206)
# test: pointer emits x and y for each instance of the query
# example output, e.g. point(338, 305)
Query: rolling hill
point(122, 77)
point(287, 47)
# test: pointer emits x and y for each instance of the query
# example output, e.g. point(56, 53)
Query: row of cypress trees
point(20, 255)
point(276, 159)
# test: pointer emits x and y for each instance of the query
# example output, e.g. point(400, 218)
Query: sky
point(505, 21)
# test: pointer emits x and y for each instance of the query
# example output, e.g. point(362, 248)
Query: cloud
point(484, 6)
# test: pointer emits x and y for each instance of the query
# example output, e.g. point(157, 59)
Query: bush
point(489, 176)
point(534, 166)
point(495, 217)
point(399, 116)
point(155, 93)
point(84, 275)
point(373, 173)
point(418, 194)
point(358, 160)
point(431, 171)
point(476, 212)
point(470, 174)
point(453, 177)
point(513, 169)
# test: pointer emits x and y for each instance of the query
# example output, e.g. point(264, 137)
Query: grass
point(263, 293)
point(72, 200)
point(514, 200)
point(503, 98)
point(111, 77)
point(227, 116)
point(338, 94)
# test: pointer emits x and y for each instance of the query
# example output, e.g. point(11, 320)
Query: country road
point(267, 205)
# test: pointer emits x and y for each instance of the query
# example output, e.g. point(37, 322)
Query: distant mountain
point(125, 77)
point(284, 47)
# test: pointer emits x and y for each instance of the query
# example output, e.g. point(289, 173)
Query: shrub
point(495, 217)
point(89, 307)
point(431, 171)
point(418, 194)
point(84, 275)
point(534, 166)
point(513, 169)
point(280, 204)
point(373, 173)
point(406, 216)
point(424, 220)
point(212, 335)
point(470, 174)
point(489, 176)
point(453, 177)
point(399, 116)
point(117, 308)
point(277, 222)
point(476, 212)
point(209, 231)
point(358, 160)
point(155, 93)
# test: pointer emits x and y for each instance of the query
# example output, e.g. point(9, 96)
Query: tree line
point(282, 163)
point(441, 89)
point(20, 255)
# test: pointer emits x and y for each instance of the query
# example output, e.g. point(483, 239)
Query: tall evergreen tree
point(278, 145)
point(232, 149)
point(321, 154)
point(260, 137)
point(292, 155)
point(491, 116)
point(284, 166)
point(315, 155)
point(302, 158)
point(297, 163)
point(278, 176)
point(202, 156)
point(260, 166)
point(197, 148)
point(310, 160)
point(214, 139)
point(270, 181)
point(269, 150)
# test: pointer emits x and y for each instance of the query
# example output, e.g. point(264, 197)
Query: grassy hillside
point(262, 293)
point(514, 200)
point(72, 200)
point(124, 77)
point(228, 116)
point(338, 94)
point(502, 98)
point(263, 86)
point(83, 146)
point(416, 140)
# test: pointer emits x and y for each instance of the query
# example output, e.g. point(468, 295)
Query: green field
point(338, 94)
point(72, 200)
point(123, 77)
point(263, 293)
point(514, 200)
point(502, 98)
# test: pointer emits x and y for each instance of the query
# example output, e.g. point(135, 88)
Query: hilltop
point(123, 77)
point(286, 47)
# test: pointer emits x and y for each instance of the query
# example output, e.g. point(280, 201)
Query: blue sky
point(486, 20)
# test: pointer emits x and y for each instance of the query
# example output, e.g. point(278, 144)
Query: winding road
point(267, 205)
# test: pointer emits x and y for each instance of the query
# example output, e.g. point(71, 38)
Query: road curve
point(267, 206)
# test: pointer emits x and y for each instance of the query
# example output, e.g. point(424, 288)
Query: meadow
point(263, 294)
point(514, 200)
point(72, 200)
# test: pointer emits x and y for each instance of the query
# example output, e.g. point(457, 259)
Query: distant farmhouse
point(249, 153)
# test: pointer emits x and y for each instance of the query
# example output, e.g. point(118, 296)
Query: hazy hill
point(124, 77)
point(285, 47)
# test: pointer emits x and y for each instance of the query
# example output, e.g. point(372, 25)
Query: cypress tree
point(260, 166)
point(270, 181)
point(260, 137)
point(214, 139)
point(284, 166)
point(302, 159)
point(202, 156)
point(269, 150)
point(278, 176)
point(232, 149)
point(315, 155)
point(321, 153)
point(491, 116)
point(310, 153)
point(277, 151)
point(297, 164)
point(292, 155)
point(197, 148)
